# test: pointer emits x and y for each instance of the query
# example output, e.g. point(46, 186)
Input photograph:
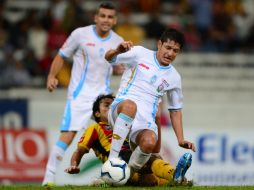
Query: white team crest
point(101, 52)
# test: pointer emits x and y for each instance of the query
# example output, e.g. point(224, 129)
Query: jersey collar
point(158, 64)
point(100, 38)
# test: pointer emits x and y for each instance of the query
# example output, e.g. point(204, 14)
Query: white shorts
point(144, 119)
point(77, 115)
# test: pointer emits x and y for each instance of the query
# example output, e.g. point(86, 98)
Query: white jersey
point(90, 71)
point(149, 81)
point(90, 75)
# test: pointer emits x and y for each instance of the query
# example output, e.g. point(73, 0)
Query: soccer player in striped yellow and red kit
point(98, 137)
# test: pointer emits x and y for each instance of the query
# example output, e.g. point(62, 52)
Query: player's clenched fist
point(124, 46)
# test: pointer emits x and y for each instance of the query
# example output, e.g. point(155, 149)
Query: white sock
point(138, 159)
point(121, 129)
point(54, 161)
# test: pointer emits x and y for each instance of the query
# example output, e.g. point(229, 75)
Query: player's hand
point(124, 46)
point(72, 170)
point(187, 145)
point(52, 83)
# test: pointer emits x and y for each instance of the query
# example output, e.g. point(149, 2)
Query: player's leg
point(76, 116)
point(146, 141)
point(56, 156)
point(123, 115)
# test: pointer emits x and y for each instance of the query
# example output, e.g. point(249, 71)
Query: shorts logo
point(116, 136)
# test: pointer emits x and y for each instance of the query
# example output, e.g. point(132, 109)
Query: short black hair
point(96, 104)
point(173, 34)
point(106, 5)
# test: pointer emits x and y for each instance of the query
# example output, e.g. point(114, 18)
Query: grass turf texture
point(37, 187)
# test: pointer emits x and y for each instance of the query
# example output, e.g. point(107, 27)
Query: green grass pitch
point(37, 187)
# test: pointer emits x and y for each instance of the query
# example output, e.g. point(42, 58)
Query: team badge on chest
point(153, 79)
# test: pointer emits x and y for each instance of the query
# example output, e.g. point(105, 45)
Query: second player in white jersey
point(90, 73)
point(90, 77)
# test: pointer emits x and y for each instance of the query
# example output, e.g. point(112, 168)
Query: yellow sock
point(163, 169)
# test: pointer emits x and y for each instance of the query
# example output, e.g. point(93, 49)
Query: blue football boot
point(183, 165)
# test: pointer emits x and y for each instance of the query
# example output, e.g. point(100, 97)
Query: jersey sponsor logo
point(116, 136)
point(165, 83)
point(90, 44)
point(162, 86)
point(144, 66)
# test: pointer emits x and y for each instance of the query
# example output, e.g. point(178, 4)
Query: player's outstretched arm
point(176, 119)
point(121, 48)
point(75, 160)
point(56, 66)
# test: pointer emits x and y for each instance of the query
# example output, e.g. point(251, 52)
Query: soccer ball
point(115, 172)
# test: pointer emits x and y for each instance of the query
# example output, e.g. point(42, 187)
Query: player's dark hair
point(173, 34)
point(106, 5)
point(96, 104)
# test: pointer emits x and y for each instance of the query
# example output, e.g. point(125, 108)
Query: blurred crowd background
point(32, 31)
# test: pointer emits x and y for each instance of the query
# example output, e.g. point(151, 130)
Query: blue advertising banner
point(14, 113)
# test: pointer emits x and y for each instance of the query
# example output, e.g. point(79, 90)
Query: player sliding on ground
point(98, 137)
point(133, 110)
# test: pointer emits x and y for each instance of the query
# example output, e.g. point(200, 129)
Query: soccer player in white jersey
point(89, 78)
point(135, 106)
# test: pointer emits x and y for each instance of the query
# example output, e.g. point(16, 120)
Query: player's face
point(167, 52)
point(104, 107)
point(105, 19)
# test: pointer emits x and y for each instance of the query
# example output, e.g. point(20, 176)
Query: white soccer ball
point(115, 172)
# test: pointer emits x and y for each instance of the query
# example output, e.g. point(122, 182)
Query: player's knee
point(147, 144)
point(129, 107)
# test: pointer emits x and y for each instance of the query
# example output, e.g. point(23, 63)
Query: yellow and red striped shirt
point(98, 137)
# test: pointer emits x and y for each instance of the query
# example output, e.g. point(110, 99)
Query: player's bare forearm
point(56, 66)
point(75, 160)
point(110, 54)
point(176, 119)
point(76, 157)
